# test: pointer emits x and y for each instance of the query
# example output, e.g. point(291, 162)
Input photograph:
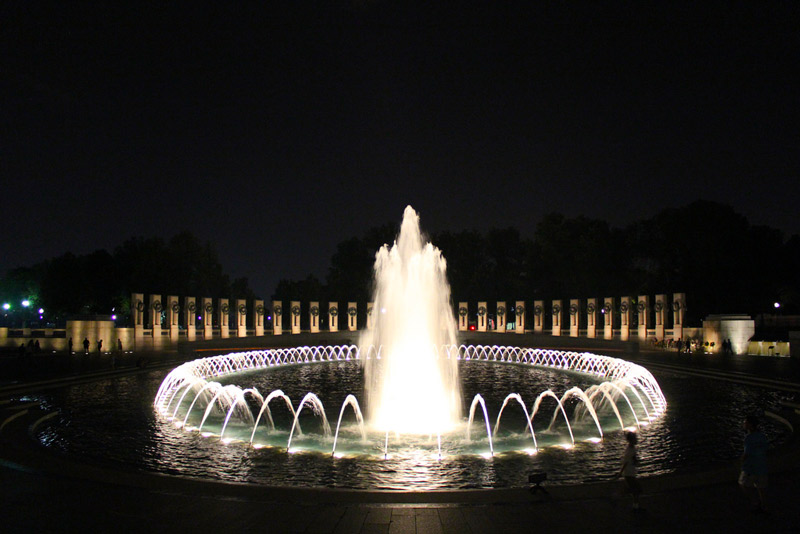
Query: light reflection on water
point(113, 421)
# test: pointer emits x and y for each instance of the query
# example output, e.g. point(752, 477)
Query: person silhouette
point(753, 478)
point(628, 469)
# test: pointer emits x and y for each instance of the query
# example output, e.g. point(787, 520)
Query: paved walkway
point(42, 492)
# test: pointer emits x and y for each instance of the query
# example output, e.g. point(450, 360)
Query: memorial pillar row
point(333, 316)
point(190, 317)
point(295, 311)
point(173, 317)
point(660, 310)
point(625, 318)
point(352, 316)
point(591, 318)
point(538, 316)
point(277, 317)
point(313, 317)
point(241, 317)
point(557, 316)
point(463, 317)
point(501, 317)
point(608, 318)
point(519, 325)
point(223, 311)
point(482, 317)
point(260, 314)
point(208, 317)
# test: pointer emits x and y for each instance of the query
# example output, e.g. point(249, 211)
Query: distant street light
point(6, 306)
point(26, 303)
point(777, 305)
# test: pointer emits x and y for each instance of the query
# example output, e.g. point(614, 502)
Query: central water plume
point(412, 384)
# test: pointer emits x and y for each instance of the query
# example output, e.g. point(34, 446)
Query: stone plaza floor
point(40, 492)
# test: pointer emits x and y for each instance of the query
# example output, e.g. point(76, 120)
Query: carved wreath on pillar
point(537, 310)
point(260, 309)
point(225, 308)
point(607, 307)
point(209, 307)
point(573, 309)
point(278, 310)
point(175, 308)
point(242, 309)
point(556, 309)
point(590, 307)
point(295, 310)
point(192, 307)
point(351, 311)
point(623, 308)
point(157, 305)
point(334, 311)
point(369, 311)
point(676, 306)
point(520, 310)
point(501, 310)
point(658, 306)
point(462, 312)
point(482, 311)
point(140, 305)
point(314, 311)
point(641, 306)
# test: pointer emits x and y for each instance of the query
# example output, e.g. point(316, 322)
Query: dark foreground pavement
point(43, 492)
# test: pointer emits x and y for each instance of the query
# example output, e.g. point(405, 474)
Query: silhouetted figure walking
point(753, 478)
point(628, 469)
point(69, 346)
point(99, 345)
point(86, 345)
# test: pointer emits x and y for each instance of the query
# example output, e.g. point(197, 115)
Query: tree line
point(102, 282)
point(706, 249)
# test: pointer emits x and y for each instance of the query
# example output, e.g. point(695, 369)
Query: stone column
point(574, 317)
point(520, 311)
point(501, 317)
point(624, 318)
point(558, 314)
point(224, 318)
point(352, 316)
point(313, 317)
point(643, 313)
point(463, 317)
point(173, 317)
point(295, 311)
point(678, 313)
point(277, 317)
point(208, 317)
point(156, 308)
point(538, 316)
point(591, 318)
point(137, 314)
point(608, 318)
point(333, 316)
point(370, 315)
point(258, 318)
point(241, 318)
point(190, 316)
point(482, 317)
point(660, 310)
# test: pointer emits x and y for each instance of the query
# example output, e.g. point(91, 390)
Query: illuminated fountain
point(411, 387)
point(411, 376)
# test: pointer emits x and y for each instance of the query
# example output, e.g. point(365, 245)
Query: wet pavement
point(41, 491)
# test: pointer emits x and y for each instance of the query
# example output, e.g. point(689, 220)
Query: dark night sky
point(276, 133)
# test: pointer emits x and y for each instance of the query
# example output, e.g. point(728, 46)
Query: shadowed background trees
point(102, 282)
point(706, 249)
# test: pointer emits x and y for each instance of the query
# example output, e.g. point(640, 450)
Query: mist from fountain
point(412, 385)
